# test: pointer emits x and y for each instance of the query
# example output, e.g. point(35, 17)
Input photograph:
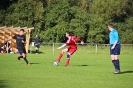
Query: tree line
point(86, 19)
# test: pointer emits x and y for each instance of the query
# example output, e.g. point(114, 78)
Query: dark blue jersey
point(37, 40)
point(19, 39)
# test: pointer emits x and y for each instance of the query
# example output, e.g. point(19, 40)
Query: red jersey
point(72, 42)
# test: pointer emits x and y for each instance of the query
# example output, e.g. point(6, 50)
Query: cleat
point(18, 58)
point(117, 71)
point(28, 64)
point(56, 61)
point(66, 66)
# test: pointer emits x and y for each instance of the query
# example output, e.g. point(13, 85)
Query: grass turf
point(85, 71)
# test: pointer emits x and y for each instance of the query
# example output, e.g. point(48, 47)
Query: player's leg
point(68, 59)
point(20, 51)
point(61, 54)
point(24, 56)
point(70, 52)
point(117, 63)
point(36, 49)
point(117, 52)
point(114, 56)
point(113, 60)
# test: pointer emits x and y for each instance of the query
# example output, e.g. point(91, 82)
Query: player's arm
point(62, 46)
point(78, 40)
point(24, 41)
point(10, 38)
point(68, 41)
point(116, 40)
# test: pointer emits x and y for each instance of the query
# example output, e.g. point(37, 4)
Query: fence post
point(96, 49)
point(30, 48)
point(53, 48)
point(7, 48)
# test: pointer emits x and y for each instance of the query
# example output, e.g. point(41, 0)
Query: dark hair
point(70, 33)
point(22, 30)
point(111, 25)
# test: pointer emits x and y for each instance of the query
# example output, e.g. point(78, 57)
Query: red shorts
point(71, 50)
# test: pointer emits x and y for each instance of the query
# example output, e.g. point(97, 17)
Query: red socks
point(67, 61)
point(60, 56)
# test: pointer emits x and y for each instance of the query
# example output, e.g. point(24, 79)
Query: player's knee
point(23, 55)
point(115, 57)
point(62, 51)
point(112, 57)
point(68, 55)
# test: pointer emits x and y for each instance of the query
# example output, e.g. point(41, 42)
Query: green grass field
point(85, 71)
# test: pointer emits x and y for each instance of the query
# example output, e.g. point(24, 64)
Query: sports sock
point(60, 56)
point(36, 51)
point(117, 64)
point(20, 57)
point(26, 60)
point(114, 63)
point(67, 61)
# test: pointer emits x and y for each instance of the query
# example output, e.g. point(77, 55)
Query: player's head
point(110, 26)
point(36, 35)
point(21, 31)
point(68, 34)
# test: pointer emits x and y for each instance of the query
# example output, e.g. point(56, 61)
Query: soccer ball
point(55, 63)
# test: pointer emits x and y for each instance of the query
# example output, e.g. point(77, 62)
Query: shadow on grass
point(84, 65)
point(34, 63)
point(3, 84)
point(34, 52)
point(126, 72)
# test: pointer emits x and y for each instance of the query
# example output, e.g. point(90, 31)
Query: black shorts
point(116, 50)
point(38, 46)
point(1, 49)
point(22, 50)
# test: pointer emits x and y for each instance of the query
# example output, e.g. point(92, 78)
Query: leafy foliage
point(87, 19)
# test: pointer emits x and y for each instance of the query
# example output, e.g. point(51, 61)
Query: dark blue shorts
point(38, 46)
point(22, 50)
point(116, 50)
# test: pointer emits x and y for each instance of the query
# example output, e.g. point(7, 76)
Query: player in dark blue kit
point(20, 41)
point(37, 43)
point(114, 47)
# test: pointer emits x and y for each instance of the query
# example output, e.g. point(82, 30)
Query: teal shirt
point(113, 36)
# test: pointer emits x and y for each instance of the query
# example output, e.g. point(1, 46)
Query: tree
point(87, 19)
point(108, 11)
point(63, 16)
point(19, 14)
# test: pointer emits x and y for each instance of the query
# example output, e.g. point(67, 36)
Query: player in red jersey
point(71, 42)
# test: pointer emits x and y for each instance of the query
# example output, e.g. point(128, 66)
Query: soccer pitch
point(85, 71)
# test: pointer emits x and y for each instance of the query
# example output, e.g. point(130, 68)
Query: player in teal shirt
point(114, 37)
point(114, 47)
